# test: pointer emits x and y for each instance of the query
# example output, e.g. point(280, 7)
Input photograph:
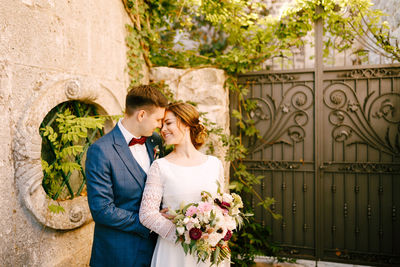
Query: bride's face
point(173, 130)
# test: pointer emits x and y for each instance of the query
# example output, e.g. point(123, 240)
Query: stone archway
point(27, 149)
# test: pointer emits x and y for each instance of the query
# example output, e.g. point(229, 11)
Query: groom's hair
point(144, 97)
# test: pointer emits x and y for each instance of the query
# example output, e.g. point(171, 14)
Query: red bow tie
point(135, 141)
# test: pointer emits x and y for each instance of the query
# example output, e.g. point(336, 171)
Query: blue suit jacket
point(115, 183)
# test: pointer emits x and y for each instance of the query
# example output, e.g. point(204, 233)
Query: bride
point(175, 179)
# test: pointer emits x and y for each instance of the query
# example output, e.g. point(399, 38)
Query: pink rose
point(204, 207)
point(191, 210)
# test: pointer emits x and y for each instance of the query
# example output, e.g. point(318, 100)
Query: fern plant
point(67, 132)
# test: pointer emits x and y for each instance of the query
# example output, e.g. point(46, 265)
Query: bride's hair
point(189, 115)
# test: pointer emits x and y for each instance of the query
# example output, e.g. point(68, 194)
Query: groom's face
point(150, 119)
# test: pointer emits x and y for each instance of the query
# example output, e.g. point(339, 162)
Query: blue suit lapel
point(150, 148)
point(125, 154)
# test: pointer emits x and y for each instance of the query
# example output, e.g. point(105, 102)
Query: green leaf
point(56, 208)
point(185, 248)
point(216, 255)
point(236, 114)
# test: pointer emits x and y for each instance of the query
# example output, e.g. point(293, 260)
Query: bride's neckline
point(198, 165)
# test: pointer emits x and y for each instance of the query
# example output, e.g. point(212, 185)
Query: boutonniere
point(156, 151)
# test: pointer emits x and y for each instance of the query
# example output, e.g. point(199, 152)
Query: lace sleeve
point(149, 213)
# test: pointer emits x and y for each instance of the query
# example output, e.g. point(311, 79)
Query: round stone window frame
point(28, 144)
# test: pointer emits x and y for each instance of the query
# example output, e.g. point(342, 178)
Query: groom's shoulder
point(103, 142)
point(105, 139)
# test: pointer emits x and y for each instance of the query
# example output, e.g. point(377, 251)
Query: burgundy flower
point(195, 233)
point(228, 235)
point(225, 205)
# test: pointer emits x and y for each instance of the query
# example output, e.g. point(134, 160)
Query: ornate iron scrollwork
point(370, 167)
point(271, 78)
point(357, 123)
point(274, 165)
point(289, 117)
point(369, 73)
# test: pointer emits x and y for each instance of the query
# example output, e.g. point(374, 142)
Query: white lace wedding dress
point(170, 185)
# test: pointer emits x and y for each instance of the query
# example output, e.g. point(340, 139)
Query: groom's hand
point(164, 213)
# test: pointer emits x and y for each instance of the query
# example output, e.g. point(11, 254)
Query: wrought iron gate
point(330, 156)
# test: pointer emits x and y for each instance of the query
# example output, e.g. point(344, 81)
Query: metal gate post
point(318, 134)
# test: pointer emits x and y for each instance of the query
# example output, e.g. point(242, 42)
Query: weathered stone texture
point(44, 46)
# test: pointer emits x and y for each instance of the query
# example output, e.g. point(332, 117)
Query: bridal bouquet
point(204, 228)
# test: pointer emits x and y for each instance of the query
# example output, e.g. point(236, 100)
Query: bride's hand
point(166, 215)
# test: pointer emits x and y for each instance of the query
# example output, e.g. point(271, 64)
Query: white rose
point(219, 217)
point(192, 223)
point(187, 237)
point(186, 220)
point(230, 223)
point(227, 198)
point(214, 238)
point(205, 218)
point(180, 230)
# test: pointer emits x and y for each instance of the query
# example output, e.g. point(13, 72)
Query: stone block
point(76, 49)
point(33, 40)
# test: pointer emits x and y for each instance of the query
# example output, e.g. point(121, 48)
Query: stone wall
point(51, 51)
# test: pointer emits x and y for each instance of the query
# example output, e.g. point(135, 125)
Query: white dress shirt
point(139, 151)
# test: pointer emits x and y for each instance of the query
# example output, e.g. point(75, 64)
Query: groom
point(116, 168)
